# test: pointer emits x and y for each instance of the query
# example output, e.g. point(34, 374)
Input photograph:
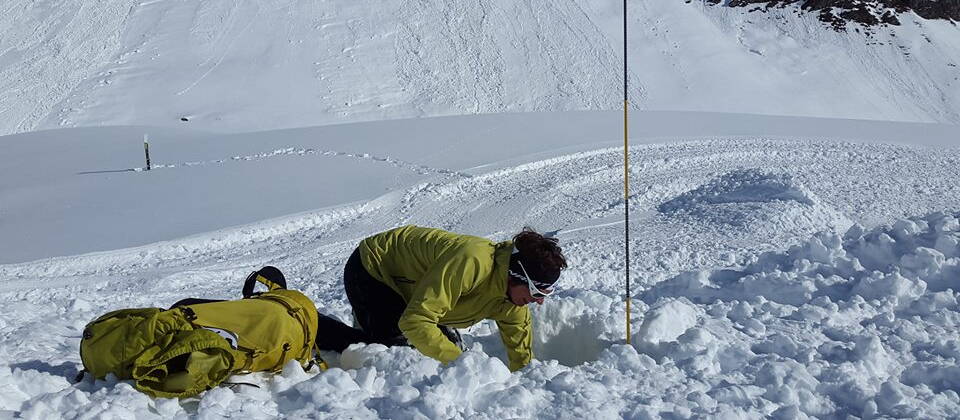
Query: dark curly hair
point(534, 247)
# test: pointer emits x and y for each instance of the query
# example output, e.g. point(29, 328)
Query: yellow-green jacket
point(449, 279)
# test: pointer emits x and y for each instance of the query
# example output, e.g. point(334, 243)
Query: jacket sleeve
point(516, 332)
point(433, 297)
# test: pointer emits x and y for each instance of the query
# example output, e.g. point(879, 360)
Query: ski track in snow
point(300, 152)
point(782, 335)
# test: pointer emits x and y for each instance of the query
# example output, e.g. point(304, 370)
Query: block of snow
point(667, 321)
point(900, 289)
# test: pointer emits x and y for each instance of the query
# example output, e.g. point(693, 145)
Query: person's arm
point(516, 332)
point(433, 297)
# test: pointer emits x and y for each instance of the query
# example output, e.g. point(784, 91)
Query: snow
point(93, 194)
point(256, 65)
point(776, 278)
point(667, 321)
point(782, 266)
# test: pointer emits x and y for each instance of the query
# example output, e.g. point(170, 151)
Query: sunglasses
point(534, 290)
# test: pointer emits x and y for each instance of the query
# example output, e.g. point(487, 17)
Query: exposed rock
point(929, 9)
point(838, 13)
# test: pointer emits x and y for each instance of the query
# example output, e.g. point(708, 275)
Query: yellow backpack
point(198, 343)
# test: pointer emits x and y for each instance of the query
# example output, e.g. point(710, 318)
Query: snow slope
point(78, 190)
point(267, 64)
point(773, 275)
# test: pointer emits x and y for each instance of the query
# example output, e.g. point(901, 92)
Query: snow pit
point(752, 198)
point(573, 330)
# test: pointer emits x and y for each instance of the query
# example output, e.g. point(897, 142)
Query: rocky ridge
point(838, 13)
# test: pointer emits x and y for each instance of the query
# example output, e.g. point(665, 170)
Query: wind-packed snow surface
point(83, 190)
point(773, 276)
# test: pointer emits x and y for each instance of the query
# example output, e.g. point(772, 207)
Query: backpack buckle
point(188, 313)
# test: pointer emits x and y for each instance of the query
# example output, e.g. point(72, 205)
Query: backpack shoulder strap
point(193, 301)
point(269, 276)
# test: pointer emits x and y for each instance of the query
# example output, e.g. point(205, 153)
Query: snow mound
point(667, 321)
point(899, 265)
point(753, 198)
point(741, 187)
point(862, 324)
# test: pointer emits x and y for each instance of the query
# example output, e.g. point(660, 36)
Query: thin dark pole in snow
point(146, 150)
point(626, 172)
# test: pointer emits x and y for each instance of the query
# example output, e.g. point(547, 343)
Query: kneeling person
point(410, 285)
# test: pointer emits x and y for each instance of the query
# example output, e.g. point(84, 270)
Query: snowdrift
point(754, 199)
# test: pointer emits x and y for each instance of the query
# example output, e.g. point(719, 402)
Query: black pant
point(376, 308)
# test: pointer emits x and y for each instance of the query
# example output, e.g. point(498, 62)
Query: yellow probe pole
point(626, 171)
